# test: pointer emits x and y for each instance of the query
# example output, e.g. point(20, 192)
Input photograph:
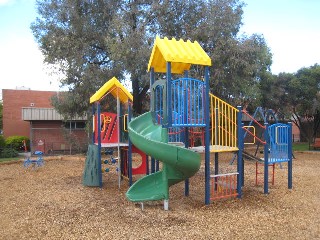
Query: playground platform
point(111, 145)
point(214, 148)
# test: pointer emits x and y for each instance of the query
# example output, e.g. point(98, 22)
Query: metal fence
point(59, 141)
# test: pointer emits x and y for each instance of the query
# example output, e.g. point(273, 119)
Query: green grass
point(301, 146)
point(9, 159)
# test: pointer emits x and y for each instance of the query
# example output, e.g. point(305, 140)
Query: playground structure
point(109, 133)
point(182, 104)
point(276, 141)
point(181, 110)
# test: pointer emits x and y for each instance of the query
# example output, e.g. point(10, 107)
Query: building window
point(75, 125)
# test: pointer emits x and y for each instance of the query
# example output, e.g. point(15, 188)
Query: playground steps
point(223, 186)
point(259, 161)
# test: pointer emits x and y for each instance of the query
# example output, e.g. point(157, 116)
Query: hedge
point(16, 142)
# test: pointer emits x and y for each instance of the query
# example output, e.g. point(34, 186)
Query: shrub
point(16, 142)
point(2, 142)
point(8, 153)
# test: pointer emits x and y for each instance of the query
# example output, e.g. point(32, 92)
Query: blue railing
point(279, 138)
point(176, 134)
point(158, 107)
point(188, 101)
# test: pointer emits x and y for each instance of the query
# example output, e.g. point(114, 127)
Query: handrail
point(125, 122)
point(224, 122)
point(253, 135)
point(253, 119)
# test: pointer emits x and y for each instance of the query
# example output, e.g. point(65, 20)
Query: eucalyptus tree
point(239, 61)
point(304, 100)
point(74, 36)
point(89, 41)
point(295, 97)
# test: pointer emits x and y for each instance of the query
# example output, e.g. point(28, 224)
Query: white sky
point(290, 27)
point(21, 62)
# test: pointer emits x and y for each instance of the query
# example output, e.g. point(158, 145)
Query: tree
point(238, 62)
point(75, 37)
point(304, 99)
point(297, 97)
point(91, 41)
point(132, 45)
point(275, 92)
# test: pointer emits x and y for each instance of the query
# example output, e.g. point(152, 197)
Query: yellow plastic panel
point(181, 54)
point(114, 87)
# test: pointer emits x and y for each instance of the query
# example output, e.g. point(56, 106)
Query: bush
point(16, 142)
point(2, 142)
point(8, 153)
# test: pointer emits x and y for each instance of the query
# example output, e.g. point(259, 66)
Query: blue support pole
point(185, 93)
point(99, 144)
point(129, 147)
point(207, 138)
point(242, 131)
point(147, 165)
point(290, 156)
point(93, 123)
point(186, 187)
point(240, 162)
point(186, 131)
point(169, 96)
point(266, 159)
point(152, 79)
point(153, 165)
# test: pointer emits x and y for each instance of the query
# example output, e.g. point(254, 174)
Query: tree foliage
point(296, 96)
point(75, 36)
point(91, 41)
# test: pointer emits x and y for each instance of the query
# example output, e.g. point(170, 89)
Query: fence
point(57, 141)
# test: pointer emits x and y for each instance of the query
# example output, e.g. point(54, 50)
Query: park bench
point(316, 143)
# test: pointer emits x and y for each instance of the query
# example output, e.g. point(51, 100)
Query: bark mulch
point(50, 202)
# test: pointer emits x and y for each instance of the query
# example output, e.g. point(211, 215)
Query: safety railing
point(223, 123)
point(279, 138)
point(251, 138)
point(253, 134)
point(176, 134)
point(158, 103)
point(188, 101)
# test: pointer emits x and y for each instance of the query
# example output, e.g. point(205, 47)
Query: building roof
point(45, 114)
point(114, 87)
point(181, 54)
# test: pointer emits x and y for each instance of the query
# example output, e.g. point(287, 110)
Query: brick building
point(30, 113)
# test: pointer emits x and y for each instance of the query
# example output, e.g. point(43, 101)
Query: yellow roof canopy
point(115, 88)
point(181, 54)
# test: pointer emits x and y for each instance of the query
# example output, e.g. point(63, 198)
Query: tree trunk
point(137, 103)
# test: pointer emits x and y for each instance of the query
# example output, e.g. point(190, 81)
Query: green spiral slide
point(178, 163)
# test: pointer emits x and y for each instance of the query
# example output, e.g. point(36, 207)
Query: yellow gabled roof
point(181, 54)
point(115, 88)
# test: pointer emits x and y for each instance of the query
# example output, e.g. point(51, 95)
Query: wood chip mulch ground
point(50, 202)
